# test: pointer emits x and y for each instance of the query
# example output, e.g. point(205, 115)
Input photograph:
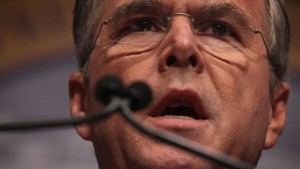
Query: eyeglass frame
point(106, 22)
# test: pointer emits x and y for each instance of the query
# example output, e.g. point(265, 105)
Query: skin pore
point(238, 114)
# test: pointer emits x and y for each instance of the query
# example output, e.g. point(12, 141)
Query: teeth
point(177, 117)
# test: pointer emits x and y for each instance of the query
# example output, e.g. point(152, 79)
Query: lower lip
point(174, 123)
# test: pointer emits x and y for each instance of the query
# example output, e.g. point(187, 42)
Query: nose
point(181, 50)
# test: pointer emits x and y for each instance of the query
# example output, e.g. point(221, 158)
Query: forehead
point(254, 9)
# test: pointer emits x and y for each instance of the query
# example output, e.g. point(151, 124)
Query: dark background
point(36, 59)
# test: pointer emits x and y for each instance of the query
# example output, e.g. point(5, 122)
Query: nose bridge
point(181, 32)
point(181, 22)
point(182, 43)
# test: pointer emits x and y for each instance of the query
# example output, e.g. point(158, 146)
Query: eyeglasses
point(143, 29)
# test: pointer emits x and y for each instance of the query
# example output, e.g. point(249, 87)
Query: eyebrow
point(225, 10)
point(207, 10)
point(137, 5)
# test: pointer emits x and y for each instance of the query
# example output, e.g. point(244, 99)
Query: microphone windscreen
point(108, 87)
point(140, 95)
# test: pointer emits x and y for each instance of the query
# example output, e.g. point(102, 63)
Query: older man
point(216, 68)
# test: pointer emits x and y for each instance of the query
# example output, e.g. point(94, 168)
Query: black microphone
point(109, 87)
point(138, 94)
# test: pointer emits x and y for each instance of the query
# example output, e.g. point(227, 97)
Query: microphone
point(109, 87)
point(138, 94)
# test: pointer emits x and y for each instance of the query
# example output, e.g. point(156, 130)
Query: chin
point(162, 156)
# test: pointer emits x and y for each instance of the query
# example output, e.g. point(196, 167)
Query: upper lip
point(181, 97)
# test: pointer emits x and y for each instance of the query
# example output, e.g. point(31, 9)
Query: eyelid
point(153, 21)
point(204, 25)
point(153, 17)
point(126, 26)
point(134, 19)
point(160, 21)
point(233, 32)
point(132, 10)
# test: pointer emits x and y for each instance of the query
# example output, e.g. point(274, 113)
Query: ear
point(277, 121)
point(78, 96)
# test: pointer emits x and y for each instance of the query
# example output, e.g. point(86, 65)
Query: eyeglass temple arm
point(256, 31)
point(98, 33)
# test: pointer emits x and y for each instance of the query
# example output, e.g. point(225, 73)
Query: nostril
point(171, 60)
point(193, 61)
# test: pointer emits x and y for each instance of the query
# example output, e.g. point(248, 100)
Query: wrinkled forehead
point(254, 10)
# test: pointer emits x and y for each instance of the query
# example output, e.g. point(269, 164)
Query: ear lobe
point(77, 98)
point(278, 117)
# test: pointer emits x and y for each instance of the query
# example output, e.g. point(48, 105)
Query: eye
point(219, 34)
point(216, 29)
point(141, 25)
point(220, 29)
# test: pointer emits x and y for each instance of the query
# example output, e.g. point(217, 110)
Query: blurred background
point(36, 59)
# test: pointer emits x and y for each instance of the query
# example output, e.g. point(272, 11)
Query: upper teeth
point(178, 117)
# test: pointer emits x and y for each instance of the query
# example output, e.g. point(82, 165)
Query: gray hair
point(278, 40)
point(87, 14)
point(86, 19)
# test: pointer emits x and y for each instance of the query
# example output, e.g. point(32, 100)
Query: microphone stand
point(121, 105)
point(29, 125)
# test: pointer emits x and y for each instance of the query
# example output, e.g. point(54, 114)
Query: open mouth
point(184, 105)
point(181, 112)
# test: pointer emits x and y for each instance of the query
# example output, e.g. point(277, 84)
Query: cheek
point(129, 68)
point(225, 78)
point(242, 90)
point(245, 77)
point(242, 97)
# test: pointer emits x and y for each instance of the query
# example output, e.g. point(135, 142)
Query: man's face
point(220, 100)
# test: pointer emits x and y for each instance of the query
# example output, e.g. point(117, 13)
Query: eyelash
point(135, 24)
point(131, 26)
point(229, 30)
